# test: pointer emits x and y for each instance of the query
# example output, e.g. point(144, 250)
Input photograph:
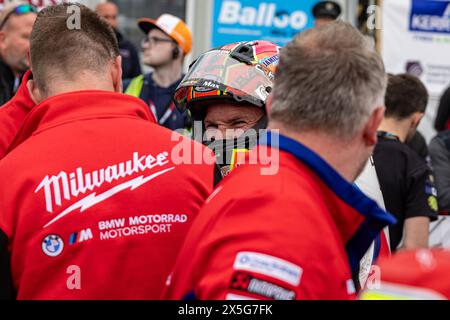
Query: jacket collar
point(81, 105)
point(22, 97)
point(360, 220)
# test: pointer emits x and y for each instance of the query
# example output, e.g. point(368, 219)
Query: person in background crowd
point(442, 121)
point(440, 159)
point(406, 180)
point(91, 208)
point(305, 220)
point(325, 12)
point(130, 59)
point(16, 22)
point(167, 42)
point(412, 275)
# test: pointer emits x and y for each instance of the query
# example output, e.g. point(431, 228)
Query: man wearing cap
point(16, 22)
point(325, 12)
point(168, 40)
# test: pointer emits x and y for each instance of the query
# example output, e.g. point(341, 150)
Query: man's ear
point(372, 125)
point(416, 118)
point(116, 74)
point(35, 94)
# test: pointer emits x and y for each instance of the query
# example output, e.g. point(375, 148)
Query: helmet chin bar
point(225, 149)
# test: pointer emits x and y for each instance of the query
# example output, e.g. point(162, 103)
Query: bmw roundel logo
point(52, 245)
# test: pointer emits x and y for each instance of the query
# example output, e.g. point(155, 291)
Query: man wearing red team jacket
point(298, 232)
point(95, 204)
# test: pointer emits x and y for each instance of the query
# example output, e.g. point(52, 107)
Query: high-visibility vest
point(135, 87)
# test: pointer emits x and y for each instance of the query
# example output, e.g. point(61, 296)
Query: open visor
point(216, 74)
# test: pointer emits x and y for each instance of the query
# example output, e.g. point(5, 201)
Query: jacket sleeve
point(246, 254)
point(6, 286)
point(440, 157)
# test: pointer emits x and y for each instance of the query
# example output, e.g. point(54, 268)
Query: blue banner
point(244, 20)
point(430, 16)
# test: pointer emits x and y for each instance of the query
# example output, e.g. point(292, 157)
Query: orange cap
point(173, 26)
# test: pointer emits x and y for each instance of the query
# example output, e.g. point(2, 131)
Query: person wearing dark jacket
point(440, 158)
point(16, 22)
point(406, 180)
point(131, 66)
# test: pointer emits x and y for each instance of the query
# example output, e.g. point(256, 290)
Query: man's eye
point(239, 123)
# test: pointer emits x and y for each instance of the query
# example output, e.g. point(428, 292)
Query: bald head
point(108, 11)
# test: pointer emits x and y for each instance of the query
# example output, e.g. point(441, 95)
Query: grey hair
point(329, 79)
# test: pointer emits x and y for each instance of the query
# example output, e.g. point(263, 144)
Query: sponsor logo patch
point(270, 266)
point(81, 236)
point(247, 283)
point(433, 203)
point(52, 245)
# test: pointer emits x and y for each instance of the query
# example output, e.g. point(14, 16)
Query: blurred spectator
point(440, 158)
point(168, 40)
point(442, 121)
point(131, 66)
point(16, 22)
point(406, 180)
point(325, 12)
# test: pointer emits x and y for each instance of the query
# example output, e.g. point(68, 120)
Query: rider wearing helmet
point(226, 90)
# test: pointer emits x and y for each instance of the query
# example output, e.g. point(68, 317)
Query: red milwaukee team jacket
point(95, 201)
point(12, 115)
point(298, 233)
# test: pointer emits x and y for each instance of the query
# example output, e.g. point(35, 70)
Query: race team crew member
point(13, 114)
point(406, 179)
point(426, 276)
point(303, 228)
point(226, 91)
point(167, 42)
point(91, 208)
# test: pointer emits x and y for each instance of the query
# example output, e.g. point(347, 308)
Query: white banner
point(416, 39)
